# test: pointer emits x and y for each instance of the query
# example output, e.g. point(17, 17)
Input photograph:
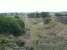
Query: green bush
point(11, 25)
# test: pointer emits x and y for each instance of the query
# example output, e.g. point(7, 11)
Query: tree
point(44, 14)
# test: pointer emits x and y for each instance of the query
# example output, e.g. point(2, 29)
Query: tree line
point(37, 14)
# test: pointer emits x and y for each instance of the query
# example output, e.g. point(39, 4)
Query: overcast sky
point(32, 5)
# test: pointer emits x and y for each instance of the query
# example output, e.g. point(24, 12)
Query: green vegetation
point(43, 32)
point(10, 28)
point(7, 42)
point(38, 15)
point(10, 25)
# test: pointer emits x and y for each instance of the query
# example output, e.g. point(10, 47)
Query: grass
point(53, 32)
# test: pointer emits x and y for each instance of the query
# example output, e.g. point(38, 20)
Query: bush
point(10, 25)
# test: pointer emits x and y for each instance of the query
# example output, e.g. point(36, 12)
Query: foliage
point(60, 14)
point(44, 14)
point(17, 17)
point(38, 15)
point(34, 15)
point(10, 25)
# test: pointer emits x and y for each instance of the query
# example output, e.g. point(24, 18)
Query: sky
point(32, 5)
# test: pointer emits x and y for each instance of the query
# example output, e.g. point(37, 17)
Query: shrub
point(10, 25)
